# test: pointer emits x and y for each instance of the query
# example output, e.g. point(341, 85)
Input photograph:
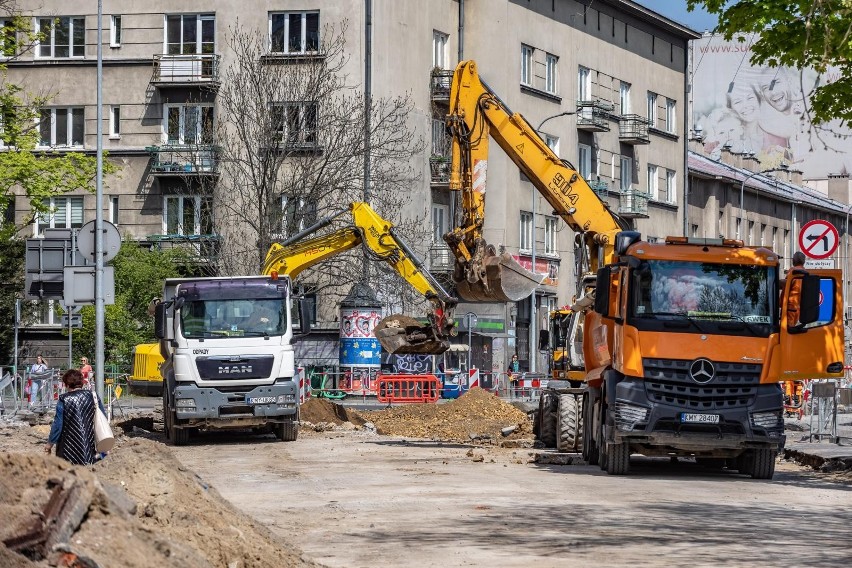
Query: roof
point(700, 164)
point(643, 13)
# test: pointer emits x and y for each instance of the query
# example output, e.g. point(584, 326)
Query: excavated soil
point(319, 410)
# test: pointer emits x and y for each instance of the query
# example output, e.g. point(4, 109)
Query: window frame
point(552, 143)
point(303, 40)
point(51, 41)
point(44, 221)
point(198, 223)
point(584, 84)
point(303, 142)
point(584, 164)
point(200, 130)
point(200, 18)
point(115, 30)
point(526, 232)
point(113, 209)
point(625, 173)
point(551, 73)
point(115, 122)
point(444, 210)
point(440, 49)
point(8, 31)
point(653, 181)
point(671, 186)
point(527, 62)
point(304, 221)
point(551, 247)
point(624, 97)
point(671, 116)
point(69, 133)
point(652, 109)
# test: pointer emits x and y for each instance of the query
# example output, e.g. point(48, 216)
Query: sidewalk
point(825, 454)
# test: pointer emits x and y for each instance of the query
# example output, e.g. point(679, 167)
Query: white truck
point(229, 362)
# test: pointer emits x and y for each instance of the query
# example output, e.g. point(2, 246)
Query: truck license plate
point(260, 399)
point(699, 418)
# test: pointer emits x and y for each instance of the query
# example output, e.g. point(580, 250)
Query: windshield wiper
point(254, 333)
point(688, 317)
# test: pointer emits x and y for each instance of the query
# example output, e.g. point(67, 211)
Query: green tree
point(800, 34)
point(139, 275)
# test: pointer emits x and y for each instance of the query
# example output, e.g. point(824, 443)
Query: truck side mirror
point(304, 316)
point(602, 285)
point(809, 300)
point(160, 321)
point(543, 340)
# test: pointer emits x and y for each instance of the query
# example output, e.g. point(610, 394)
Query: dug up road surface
point(351, 497)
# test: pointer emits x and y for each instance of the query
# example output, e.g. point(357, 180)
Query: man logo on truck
point(702, 371)
point(235, 369)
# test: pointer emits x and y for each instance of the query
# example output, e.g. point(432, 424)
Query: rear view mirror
point(161, 330)
point(810, 299)
point(543, 340)
point(304, 316)
point(602, 290)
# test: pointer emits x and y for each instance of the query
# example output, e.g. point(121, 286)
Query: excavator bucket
point(403, 335)
point(505, 281)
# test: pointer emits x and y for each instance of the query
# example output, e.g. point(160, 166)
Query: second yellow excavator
point(397, 333)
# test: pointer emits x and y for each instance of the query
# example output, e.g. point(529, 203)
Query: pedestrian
point(39, 367)
point(86, 371)
point(73, 428)
point(514, 373)
point(38, 370)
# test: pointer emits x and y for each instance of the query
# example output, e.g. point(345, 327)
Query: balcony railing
point(183, 70)
point(201, 249)
point(439, 86)
point(633, 129)
point(594, 115)
point(184, 160)
point(439, 168)
point(601, 188)
point(633, 204)
point(441, 258)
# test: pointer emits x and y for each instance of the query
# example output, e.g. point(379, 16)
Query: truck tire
point(179, 436)
point(762, 463)
point(286, 431)
point(547, 403)
point(618, 458)
point(601, 444)
point(167, 422)
point(590, 448)
point(569, 423)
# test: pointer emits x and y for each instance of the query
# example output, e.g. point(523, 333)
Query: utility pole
point(99, 217)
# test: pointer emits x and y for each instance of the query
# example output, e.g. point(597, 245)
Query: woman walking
point(73, 429)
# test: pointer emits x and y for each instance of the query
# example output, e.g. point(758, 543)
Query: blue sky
point(698, 19)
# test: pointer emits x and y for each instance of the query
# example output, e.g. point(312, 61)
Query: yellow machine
point(397, 333)
point(145, 375)
point(684, 342)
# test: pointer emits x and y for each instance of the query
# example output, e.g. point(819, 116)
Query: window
point(8, 38)
point(652, 109)
point(584, 84)
point(61, 127)
point(550, 73)
point(188, 124)
point(440, 42)
point(526, 64)
point(115, 121)
point(626, 174)
point(750, 235)
point(584, 161)
point(552, 143)
point(550, 224)
point(297, 215)
point(115, 32)
point(652, 181)
point(671, 186)
point(190, 34)
point(762, 233)
point(113, 209)
point(65, 213)
point(694, 230)
point(526, 236)
point(671, 116)
point(295, 124)
point(61, 37)
point(294, 32)
point(775, 239)
point(187, 215)
point(624, 98)
point(440, 217)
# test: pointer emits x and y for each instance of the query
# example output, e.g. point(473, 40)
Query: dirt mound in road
point(318, 410)
point(141, 508)
point(476, 415)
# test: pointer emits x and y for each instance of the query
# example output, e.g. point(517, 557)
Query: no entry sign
point(818, 239)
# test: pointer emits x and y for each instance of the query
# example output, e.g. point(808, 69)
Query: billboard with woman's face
point(762, 110)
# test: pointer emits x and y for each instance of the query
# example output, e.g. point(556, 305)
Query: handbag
point(104, 440)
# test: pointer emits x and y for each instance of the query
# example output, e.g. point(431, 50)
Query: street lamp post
point(782, 168)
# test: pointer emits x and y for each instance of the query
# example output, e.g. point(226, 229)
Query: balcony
point(441, 258)
point(439, 85)
point(633, 204)
point(186, 70)
point(439, 169)
point(633, 129)
point(184, 160)
point(601, 188)
point(200, 249)
point(593, 116)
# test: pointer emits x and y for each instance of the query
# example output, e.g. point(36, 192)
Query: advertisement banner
point(358, 345)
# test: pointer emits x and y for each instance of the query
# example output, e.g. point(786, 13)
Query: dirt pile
point(477, 415)
point(137, 508)
point(319, 410)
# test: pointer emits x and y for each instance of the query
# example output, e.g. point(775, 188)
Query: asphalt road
point(352, 499)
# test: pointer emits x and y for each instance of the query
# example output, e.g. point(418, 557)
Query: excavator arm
point(476, 113)
point(396, 333)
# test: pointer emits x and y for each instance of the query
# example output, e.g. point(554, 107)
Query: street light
point(781, 168)
point(566, 113)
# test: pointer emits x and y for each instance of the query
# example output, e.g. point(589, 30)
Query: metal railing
point(439, 84)
point(184, 159)
point(633, 203)
point(633, 129)
point(594, 115)
point(441, 258)
point(202, 248)
point(601, 188)
point(439, 169)
point(186, 69)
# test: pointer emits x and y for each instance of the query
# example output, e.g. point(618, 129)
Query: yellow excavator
point(694, 373)
point(397, 333)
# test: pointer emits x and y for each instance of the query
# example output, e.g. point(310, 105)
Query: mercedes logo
point(702, 371)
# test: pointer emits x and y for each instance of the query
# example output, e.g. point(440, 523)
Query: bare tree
point(292, 148)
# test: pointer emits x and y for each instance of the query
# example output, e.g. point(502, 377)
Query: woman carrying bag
point(73, 429)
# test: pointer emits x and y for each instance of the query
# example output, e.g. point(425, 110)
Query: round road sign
point(86, 240)
point(818, 239)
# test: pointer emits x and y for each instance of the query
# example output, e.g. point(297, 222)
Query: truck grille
point(235, 368)
point(667, 381)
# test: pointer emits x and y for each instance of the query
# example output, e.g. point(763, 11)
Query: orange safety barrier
point(407, 388)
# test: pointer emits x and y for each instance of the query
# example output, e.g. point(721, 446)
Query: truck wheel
point(568, 423)
point(167, 422)
point(618, 458)
point(547, 419)
point(590, 448)
point(763, 463)
point(179, 436)
point(286, 431)
point(601, 444)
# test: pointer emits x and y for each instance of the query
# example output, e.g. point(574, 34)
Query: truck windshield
point(234, 318)
point(703, 297)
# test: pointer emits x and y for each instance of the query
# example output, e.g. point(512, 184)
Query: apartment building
point(604, 79)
